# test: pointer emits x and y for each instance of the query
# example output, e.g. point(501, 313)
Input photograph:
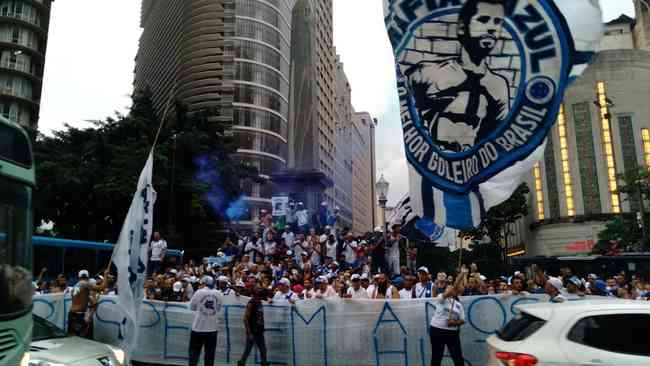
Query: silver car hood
point(69, 350)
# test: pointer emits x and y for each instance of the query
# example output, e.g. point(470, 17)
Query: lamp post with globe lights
point(382, 187)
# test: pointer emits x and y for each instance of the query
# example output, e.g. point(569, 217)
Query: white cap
point(284, 281)
point(83, 273)
point(364, 276)
point(220, 254)
point(324, 203)
point(321, 279)
point(175, 272)
point(92, 282)
point(378, 229)
point(555, 282)
point(178, 286)
point(323, 238)
point(355, 277)
point(289, 253)
point(517, 273)
point(482, 278)
point(423, 269)
point(193, 279)
point(223, 279)
point(335, 263)
point(207, 280)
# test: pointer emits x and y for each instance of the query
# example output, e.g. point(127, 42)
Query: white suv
point(575, 333)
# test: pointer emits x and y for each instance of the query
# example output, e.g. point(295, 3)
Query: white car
point(52, 347)
point(575, 333)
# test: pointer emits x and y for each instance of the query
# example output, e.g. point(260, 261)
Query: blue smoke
point(216, 196)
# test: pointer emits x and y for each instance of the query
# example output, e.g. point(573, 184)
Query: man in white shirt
point(223, 286)
point(407, 291)
point(206, 303)
point(255, 249)
point(356, 291)
point(424, 288)
point(158, 251)
point(395, 241)
point(323, 289)
point(350, 250)
point(288, 237)
point(270, 246)
point(284, 293)
point(302, 218)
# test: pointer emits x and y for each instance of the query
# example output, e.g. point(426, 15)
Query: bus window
point(15, 252)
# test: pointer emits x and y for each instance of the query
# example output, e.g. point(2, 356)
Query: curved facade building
point(24, 27)
point(233, 55)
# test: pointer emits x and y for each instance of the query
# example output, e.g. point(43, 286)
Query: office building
point(24, 26)
point(230, 55)
point(343, 158)
point(602, 131)
point(364, 199)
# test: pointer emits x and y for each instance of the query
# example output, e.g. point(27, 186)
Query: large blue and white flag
point(480, 84)
point(130, 256)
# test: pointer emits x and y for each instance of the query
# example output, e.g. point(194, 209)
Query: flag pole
point(155, 141)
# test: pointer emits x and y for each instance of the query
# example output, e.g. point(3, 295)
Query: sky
point(91, 58)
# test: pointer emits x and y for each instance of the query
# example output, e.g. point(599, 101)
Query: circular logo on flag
point(480, 83)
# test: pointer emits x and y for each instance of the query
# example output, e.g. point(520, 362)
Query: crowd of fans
point(296, 266)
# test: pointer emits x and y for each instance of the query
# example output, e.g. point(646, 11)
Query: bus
point(17, 180)
point(600, 265)
point(67, 257)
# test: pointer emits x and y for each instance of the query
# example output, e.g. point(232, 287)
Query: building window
point(566, 163)
point(608, 148)
point(645, 135)
point(539, 192)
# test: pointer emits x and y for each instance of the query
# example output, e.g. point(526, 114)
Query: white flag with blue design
point(130, 256)
point(480, 84)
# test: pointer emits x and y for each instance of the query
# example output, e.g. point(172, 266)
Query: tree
point(625, 229)
point(497, 225)
point(86, 177)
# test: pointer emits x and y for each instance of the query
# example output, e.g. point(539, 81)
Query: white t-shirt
point(443, 308)
point(302, 217)
point(425, 291)
point(288, 238)
point(405, 294)
point(393, 247)
point(269, 248)
point(350, 251)
point(157, 248)
point(281, 297)
point(329, 293)
point(331, 249)
point(361, 293)
point(206, 303)
point(252, 248)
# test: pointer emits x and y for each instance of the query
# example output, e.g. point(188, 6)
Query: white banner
point(337, 332)
point(280, 205)
point(130, 255)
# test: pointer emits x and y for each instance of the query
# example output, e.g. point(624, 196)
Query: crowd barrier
point(312, 332)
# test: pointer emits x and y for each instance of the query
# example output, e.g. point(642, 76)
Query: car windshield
point(15, 252)
point(45, 330)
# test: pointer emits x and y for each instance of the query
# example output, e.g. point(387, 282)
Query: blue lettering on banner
point(169, 328)
point(295, 312)
point(381, 321)
point(50, 306)
point(114, 323)
point(400, 334)
point(470, 320)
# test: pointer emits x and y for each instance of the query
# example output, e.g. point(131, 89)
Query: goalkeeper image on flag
point(460, 99)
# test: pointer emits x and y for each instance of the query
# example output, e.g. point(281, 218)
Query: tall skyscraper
point(233, 55)
point(343, 148)
point(24, 26)
point(313, 126)
point(602, 131)
point(363, 179)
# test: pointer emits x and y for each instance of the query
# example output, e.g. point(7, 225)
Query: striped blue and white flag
point(130, 257)
point(480, 84)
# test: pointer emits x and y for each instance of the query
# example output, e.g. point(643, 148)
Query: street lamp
point(382, 186)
